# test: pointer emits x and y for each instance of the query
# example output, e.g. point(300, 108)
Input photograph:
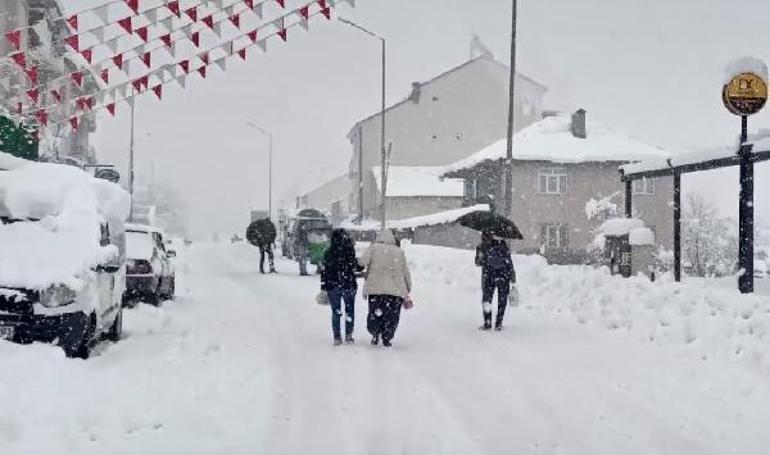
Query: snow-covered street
point(243, 364)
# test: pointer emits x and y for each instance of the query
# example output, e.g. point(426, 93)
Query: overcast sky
point(651, 67)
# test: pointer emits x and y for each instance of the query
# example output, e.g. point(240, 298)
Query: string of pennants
point(168, 33)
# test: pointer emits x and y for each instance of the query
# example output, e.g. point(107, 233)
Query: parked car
point(149, 271)
point(304, 222)
point(62, 273)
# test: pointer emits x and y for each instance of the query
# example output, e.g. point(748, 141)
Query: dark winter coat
point(494, 257)
point(261, 232)
point(340, 265)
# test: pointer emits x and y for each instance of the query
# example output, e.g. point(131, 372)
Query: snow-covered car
point(62, 257)
point(149, 271)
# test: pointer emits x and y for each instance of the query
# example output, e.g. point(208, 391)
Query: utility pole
point(131, 159)
point(746, 213)
point(360, 174)
point(511, 114)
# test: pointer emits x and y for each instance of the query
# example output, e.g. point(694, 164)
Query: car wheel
point(81, 349)
point(116, 330)
point(153, 298)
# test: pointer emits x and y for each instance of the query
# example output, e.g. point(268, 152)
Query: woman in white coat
point(388, 283)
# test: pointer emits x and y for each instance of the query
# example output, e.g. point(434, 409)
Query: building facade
point(442, 120)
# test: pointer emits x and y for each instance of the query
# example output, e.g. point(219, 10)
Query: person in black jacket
point(497, 272)
point(338, 279)
point(262, 234)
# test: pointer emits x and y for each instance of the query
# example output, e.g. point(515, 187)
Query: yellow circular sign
point(745, 94)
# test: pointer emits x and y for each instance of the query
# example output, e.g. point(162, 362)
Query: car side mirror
point(171, 253)
point(108, 268)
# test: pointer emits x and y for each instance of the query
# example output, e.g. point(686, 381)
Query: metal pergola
point(746, 157)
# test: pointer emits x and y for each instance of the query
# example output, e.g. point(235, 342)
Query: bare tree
point(709, 244)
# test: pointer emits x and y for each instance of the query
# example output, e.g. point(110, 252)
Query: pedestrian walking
point(262, 234)
point(497, 273)
point(388, 284)
point(338, 279)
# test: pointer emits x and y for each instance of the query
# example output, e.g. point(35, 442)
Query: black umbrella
point(495, 224)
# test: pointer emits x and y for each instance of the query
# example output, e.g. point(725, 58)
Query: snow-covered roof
point(551, 139)
point(620, 226)
point(745, 65)
point(418, 181)
point(449, 216)
point(59, 209)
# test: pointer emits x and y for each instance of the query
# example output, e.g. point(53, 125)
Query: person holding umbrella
point(262, 234)
point(494, 257)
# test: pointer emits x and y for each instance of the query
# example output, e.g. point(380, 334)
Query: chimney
point(579, 124)
point(416, 92)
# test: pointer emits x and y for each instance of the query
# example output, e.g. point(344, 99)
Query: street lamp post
point(269, 166)
point(383, 152)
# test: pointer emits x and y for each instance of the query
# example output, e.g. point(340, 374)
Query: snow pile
point(745, 65)
point(551, 139)
point(620, 226)
point(641, 237)
point(8, 162)
point(699, 315)
point(59, 210)
point(409, 181)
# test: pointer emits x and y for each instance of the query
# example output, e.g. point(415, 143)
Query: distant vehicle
point(307, 220)
point(47, 292)
point(150, 274)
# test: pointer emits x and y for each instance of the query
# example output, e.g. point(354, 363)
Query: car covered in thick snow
point(149, 271)
point(62, 247)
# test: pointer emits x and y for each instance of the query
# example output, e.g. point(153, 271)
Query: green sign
point(19, 140)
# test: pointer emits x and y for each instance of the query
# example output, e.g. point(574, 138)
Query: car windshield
point(139, 245)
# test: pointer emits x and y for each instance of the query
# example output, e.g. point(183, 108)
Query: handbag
point(513, 298)
point(322, 298)
point(408, 303)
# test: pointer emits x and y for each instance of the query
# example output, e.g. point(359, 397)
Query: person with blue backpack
point(497, 273)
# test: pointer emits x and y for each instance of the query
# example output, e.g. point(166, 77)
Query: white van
point(62, 267)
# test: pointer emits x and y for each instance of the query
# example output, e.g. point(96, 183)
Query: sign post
point(745, 94)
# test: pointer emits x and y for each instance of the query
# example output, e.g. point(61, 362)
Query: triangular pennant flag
point(134, 5)
point(327, 12)
point(166, 39)
point(111, 109)
point(236, 20)
point(56, 95)
point(146, 59)
point(209, 21)
point(185, 64)
point(105, 75)
point(72, 21)
point(173, 6)
point(204, 58)
point(73, 42)
point(172, 50)
point(88, 55)
point(158, 89)
point(196, 39)
point(218, 29)
point(282, 3)
point(258, 10)
point(152, 15)
point(32, 74)
point(283, 33)
point(242, 54)
point(42, 117)
point(127, 25)
point(322, 3)
point(113, 44)
point(182, 81)
point(202, 71)
point(249, 4)
point(222, 63)
point(192, 13)
point(118, 60)
point(137, 83)
point(90, 102)
point(263, 45)
point(74, 123)
point(143, 33)
point(77, 78)
point(253, 35)
point(304, 12)
point(33, 95)
point(103, 12)
point(168, 23)
point(98, 34)
point(15, 39)
point(81, 104)
point(145, 81)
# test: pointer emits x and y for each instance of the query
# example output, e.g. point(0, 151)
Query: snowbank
point(449, 216)
point(704, 316)
point(409, 181)
point(620, 226)
point(551, 139)
point(59, 210)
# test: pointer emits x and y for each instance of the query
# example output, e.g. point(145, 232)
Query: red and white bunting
point(105, 75)
point(249, 4)
point(242, 54)
point(236, 20)
point(166, 40)
point(14, 38)
point(88, 55)
point(173, 6)
point(127, 25)
point(20, 59)
point(253, 35)
point(259, 10)
point(192, 13)
point(281, 28)
point(77, 78)
point(209, 21)
point(327, 12)
point(73, 42)
point(143, 33)
point(74, 123)
point(282, 3)
point(204, 58)
point(196, 39)
point(33, 95)
point(158, 89)
point(56, 95)
point(147, 59)
point(32, 74)
point(111, 109)
point(73, 22)
point(118, 61)
point(42, 117)
point(202, 71)
point(185, 65)
point(134, 5)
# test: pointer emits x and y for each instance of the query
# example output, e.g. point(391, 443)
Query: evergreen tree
point(19, 140)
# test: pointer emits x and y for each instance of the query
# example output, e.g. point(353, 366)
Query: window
point(554, 235)
point(644, 186)
point(470, 189)
point(552, 181)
